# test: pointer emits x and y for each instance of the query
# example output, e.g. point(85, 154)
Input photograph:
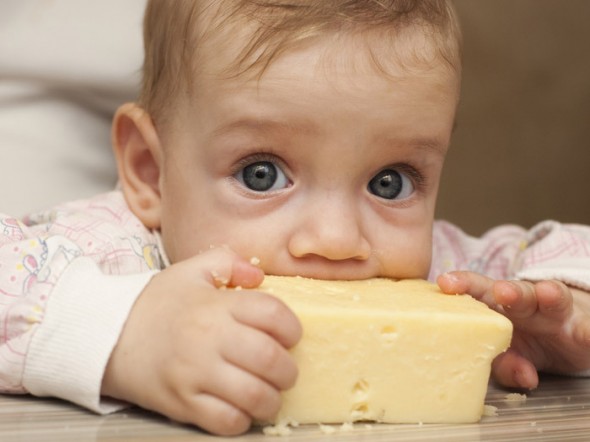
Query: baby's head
point(183, 38)
point(308, 133)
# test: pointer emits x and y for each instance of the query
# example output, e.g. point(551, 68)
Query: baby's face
point(325, 167)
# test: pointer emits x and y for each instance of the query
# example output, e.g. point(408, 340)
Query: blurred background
point(521, 150)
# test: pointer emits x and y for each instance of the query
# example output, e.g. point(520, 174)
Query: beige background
point(521, 150)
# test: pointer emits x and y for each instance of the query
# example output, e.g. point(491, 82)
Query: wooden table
point(558, 411)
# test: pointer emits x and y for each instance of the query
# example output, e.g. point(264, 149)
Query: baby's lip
point(320, 268)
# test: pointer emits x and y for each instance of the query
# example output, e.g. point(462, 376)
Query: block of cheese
point(388, 351)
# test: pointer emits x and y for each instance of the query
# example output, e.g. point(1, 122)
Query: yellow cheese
point(387, 351)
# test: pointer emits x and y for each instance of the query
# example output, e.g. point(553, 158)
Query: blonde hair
point(175, 29)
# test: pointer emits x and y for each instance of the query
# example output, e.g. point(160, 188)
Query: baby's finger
point(244, 274)
point(214, 415)
point(473, 284)
point(511, 369)
point(555, 300)
point(246, 392)
point(262, 356)
point(223, 267)
point(518, 298)
point(268, 314)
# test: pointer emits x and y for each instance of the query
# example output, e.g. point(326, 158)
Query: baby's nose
point(334, 232)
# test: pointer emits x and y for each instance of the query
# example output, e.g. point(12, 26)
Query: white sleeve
point(557, 251)
point(69, 352)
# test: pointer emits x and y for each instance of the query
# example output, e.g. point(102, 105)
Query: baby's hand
point(551, 325)
point(214, 358)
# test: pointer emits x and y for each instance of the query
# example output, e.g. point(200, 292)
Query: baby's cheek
point(400, 264)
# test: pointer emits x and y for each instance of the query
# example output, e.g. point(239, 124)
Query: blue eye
point(391, 184)
point(262, 176)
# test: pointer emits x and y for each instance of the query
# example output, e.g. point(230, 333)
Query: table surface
point(559, 410)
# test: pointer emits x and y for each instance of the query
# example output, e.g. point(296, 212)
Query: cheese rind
point(388, 351)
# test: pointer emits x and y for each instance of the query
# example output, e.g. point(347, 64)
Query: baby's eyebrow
point(303, 126)
point(427, 144)
point(431, 144)
point(263, 125)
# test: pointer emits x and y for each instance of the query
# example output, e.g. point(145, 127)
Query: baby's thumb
point(513, 370)
point(224, 268)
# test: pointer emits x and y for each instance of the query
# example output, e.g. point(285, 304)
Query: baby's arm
point(60, 315)
point(214, 358)
point(551, 325)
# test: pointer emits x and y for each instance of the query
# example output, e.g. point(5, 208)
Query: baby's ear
point(138, 152)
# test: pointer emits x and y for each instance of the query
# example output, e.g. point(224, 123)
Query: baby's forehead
point(363, 52)
point(234, 42)
point(190, 41)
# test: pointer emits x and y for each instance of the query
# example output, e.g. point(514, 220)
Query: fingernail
point(450, 277)
point(522, 381)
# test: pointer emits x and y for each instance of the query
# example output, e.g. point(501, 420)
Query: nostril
point(330, 249)
point(334, 234)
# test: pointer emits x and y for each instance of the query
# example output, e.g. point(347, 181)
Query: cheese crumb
point(254, 261)
point(515, 397)
point(219, 279)
point(347, 426)
point(280, 429)
point(490, 410)
point(327, 429)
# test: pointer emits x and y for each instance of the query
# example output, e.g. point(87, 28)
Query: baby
point(297, 137)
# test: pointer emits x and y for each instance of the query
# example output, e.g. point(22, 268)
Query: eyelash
point(418, 179)
point(255, 158)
